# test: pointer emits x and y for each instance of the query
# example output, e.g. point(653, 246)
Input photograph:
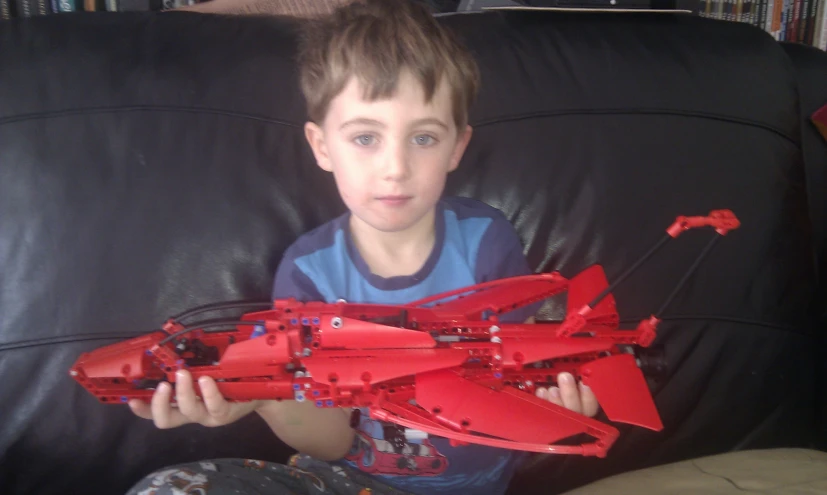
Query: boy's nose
point(395, 164)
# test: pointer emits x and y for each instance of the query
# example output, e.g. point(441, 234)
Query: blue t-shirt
point(474, 243)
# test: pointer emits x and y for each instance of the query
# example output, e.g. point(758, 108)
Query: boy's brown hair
point(374, 40)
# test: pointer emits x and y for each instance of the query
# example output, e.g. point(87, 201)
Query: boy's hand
point(213, 410)
point(576, 397)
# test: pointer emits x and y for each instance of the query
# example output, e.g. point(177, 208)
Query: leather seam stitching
point(640, 111)
point(139, 108)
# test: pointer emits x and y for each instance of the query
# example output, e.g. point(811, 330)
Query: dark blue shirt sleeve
point(501, 256)
point(290, 281)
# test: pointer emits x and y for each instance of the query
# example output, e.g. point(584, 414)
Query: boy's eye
point(364, 140)
point(423, 140)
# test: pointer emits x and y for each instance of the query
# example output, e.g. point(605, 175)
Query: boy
point(388, 91)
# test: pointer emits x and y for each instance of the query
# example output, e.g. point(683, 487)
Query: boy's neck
point(393, 254)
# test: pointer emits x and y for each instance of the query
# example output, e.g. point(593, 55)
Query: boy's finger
point(555, 397)
point(541, 393)
point(140, 408)
point(569, 392)
point(163, 414)
point(551, 394)
point(589, 400)
point(188, 402)
point(217, 407)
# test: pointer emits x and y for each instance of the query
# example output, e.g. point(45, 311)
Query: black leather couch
point(150, 163)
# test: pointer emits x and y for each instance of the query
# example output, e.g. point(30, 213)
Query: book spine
point(779, 28)
point(24, 8)
point(809, 21)
point(796, 24)
point(761, 13)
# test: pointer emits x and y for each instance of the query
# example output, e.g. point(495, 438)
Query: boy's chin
point(392, 225)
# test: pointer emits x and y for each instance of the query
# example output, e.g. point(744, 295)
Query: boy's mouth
point(394, 200)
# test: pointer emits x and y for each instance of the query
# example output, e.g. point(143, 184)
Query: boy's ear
point(459, 149)
point(315, 137)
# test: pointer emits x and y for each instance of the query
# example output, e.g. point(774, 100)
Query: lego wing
point(507, 413)
point(585, 287)
point(501, 295)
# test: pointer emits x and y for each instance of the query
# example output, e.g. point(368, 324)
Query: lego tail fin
point(621, 391)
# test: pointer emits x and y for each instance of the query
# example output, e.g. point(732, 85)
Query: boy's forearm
point(322, 433)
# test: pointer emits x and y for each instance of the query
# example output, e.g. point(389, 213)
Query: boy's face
point(390, 158)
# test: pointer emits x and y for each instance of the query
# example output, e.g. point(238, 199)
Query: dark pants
point(301, 476)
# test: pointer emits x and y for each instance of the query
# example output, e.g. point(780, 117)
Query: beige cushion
point(769, 472)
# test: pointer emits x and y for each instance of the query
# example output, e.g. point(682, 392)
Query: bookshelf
point(28, 8)
point(796, 21)
point(10, 9)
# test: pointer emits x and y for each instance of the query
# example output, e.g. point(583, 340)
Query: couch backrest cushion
point(152, 163)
